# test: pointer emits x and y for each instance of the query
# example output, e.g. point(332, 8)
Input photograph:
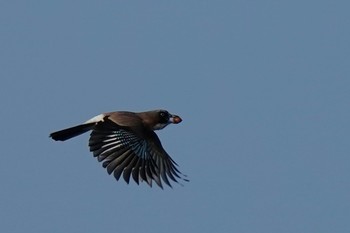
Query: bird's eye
point(163, 114)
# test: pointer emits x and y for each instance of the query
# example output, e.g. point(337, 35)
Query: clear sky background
point(263, 88)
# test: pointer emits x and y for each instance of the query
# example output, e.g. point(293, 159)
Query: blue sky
point(263, 88)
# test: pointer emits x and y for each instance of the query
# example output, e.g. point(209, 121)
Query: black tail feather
point(71, 132)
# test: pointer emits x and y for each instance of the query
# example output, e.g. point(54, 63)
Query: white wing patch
point(96, 119)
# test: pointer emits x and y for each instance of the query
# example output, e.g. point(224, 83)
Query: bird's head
point(158, 119)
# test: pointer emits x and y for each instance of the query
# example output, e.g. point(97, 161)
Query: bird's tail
point(71, 132)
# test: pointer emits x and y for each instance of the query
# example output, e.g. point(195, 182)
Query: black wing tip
point(117, 175)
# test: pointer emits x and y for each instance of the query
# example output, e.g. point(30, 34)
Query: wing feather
point(131, 152)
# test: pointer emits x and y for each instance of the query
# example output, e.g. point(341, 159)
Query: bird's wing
point(131, 152)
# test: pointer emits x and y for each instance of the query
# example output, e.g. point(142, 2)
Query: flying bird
point(126, 144)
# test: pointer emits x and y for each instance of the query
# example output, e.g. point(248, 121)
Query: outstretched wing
point(140, 155)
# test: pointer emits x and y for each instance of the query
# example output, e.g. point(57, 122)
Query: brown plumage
point(126, 144)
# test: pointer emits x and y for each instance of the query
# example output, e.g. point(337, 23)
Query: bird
point(126, 144)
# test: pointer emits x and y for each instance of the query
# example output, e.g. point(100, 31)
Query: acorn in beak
point(175, 119)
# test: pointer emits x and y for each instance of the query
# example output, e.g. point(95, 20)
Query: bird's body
point(126, 144)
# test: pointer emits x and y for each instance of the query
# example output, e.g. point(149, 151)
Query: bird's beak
point(175, 119)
